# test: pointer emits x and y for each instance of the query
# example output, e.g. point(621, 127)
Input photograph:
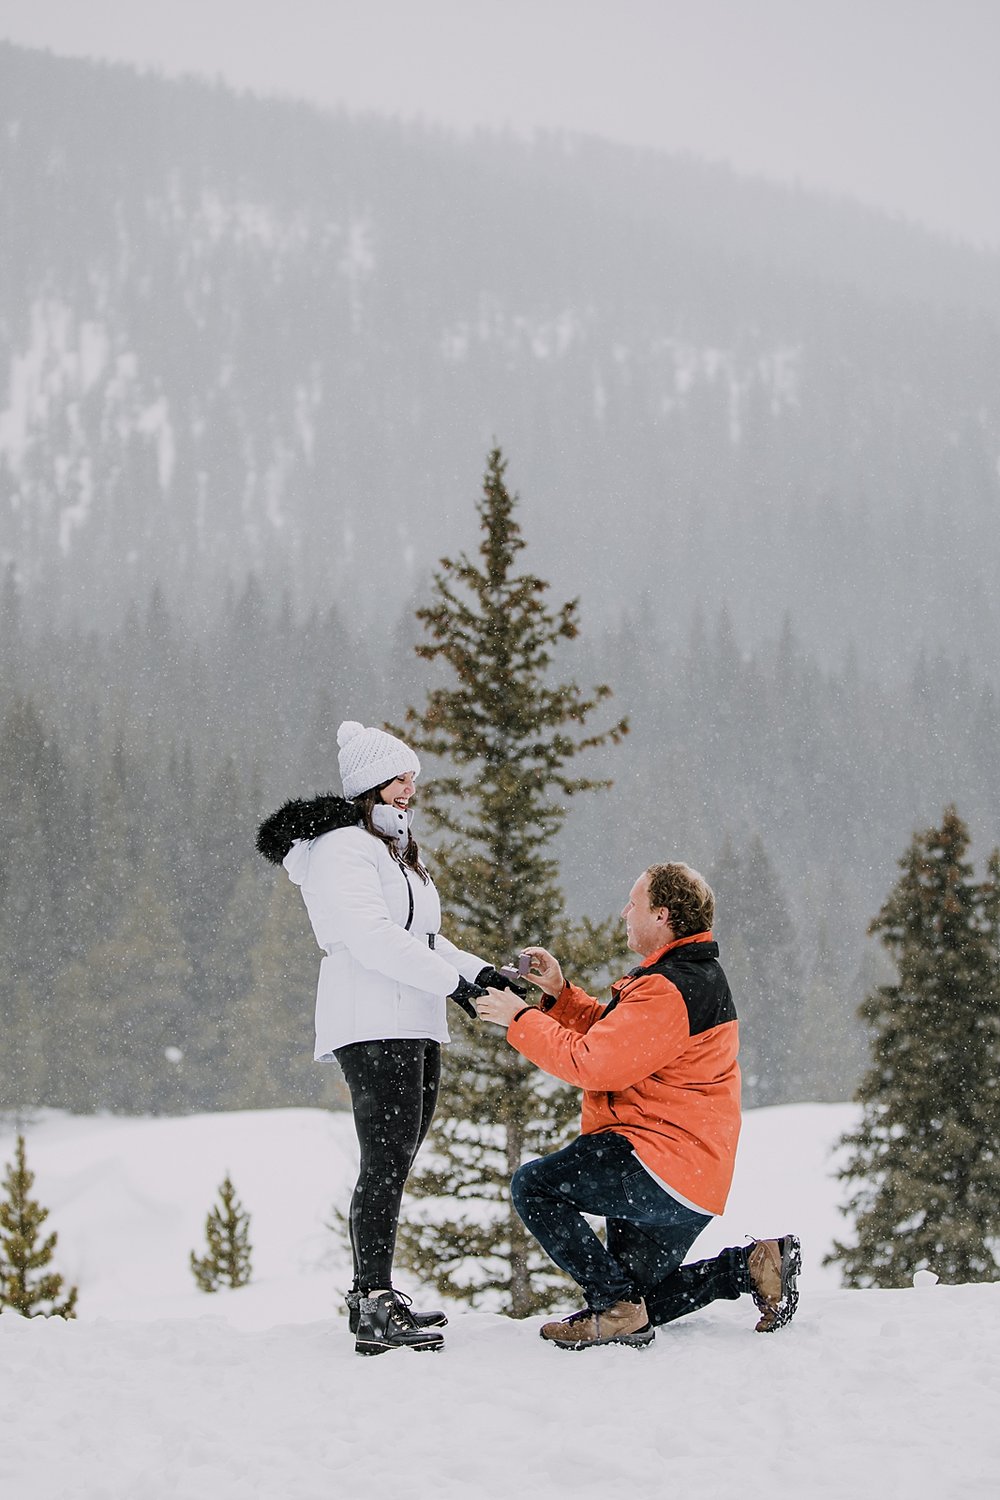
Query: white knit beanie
point(370, 757)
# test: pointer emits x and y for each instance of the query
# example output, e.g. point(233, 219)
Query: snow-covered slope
point(160, 1391)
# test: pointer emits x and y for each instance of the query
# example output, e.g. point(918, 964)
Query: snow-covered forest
point(136, 766)
point(253, 359)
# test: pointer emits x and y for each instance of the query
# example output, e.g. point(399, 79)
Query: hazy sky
point(896, 102)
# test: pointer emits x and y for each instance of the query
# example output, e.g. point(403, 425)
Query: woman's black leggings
point(394, 1088)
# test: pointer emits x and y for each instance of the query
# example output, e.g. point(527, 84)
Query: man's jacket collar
point(694, 937)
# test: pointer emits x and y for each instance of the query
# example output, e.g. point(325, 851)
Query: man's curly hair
point(686, 894)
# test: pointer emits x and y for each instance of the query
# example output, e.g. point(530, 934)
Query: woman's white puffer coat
point(378, 979)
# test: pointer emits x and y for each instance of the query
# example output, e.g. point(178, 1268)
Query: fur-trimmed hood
point(380, 975)
point(303, 819)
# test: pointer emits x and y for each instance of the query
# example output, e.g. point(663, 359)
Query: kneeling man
point(661, 1118)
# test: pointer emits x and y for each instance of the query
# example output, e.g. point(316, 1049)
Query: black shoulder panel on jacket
point(300, 819)
point(697, 973)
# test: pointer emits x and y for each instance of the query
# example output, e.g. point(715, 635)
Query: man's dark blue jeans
point(649, 1232)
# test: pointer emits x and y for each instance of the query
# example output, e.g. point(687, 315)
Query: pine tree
point(126, 1017)
point(22, 1257)
point(268, 1030)
point(11, 631)
point(227, 1230)
point(926, 1155)
point(760, 952)
point(831, 1056)
point(506, 730)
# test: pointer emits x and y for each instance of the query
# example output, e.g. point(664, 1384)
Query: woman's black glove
point(464, 993)
point(492, 979)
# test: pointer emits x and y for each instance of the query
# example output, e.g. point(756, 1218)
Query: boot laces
point(401, 1314)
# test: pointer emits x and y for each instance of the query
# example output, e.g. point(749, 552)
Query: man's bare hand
point(545, 971)
point(499, 1006)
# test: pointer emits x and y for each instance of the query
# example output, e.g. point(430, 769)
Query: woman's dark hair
point(410, 856)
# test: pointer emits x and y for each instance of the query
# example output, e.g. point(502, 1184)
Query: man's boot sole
point(641, 1339)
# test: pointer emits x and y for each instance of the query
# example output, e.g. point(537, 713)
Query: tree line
point(156, 964)
point(503, 727)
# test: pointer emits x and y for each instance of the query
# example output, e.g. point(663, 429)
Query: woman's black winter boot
point(384, 1322)
point(436, 1319)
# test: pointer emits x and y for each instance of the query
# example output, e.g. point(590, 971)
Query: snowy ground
point(159, 1392)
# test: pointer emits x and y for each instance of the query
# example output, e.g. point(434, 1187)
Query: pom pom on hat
point(370, 757)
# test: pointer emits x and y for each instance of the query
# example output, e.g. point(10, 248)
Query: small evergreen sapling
point(227, 1229)
point(22, 1257)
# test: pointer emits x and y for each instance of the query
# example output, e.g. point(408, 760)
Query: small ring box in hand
point(523, 967)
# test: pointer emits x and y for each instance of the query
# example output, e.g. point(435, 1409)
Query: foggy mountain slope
point(240, 335)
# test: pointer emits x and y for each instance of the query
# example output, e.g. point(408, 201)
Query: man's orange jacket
point(657, 1065)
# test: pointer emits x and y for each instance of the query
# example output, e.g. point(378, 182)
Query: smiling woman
point(381, 1000)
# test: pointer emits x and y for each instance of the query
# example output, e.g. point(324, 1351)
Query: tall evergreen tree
point(224, 832)
point(926, 1156)
point(35, 819)
point(761, 958)
point(125, 1022)
point(830, 1054)
point(506, 729)
point(25, 1285)
point(11, 631)
point(268, 1030)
